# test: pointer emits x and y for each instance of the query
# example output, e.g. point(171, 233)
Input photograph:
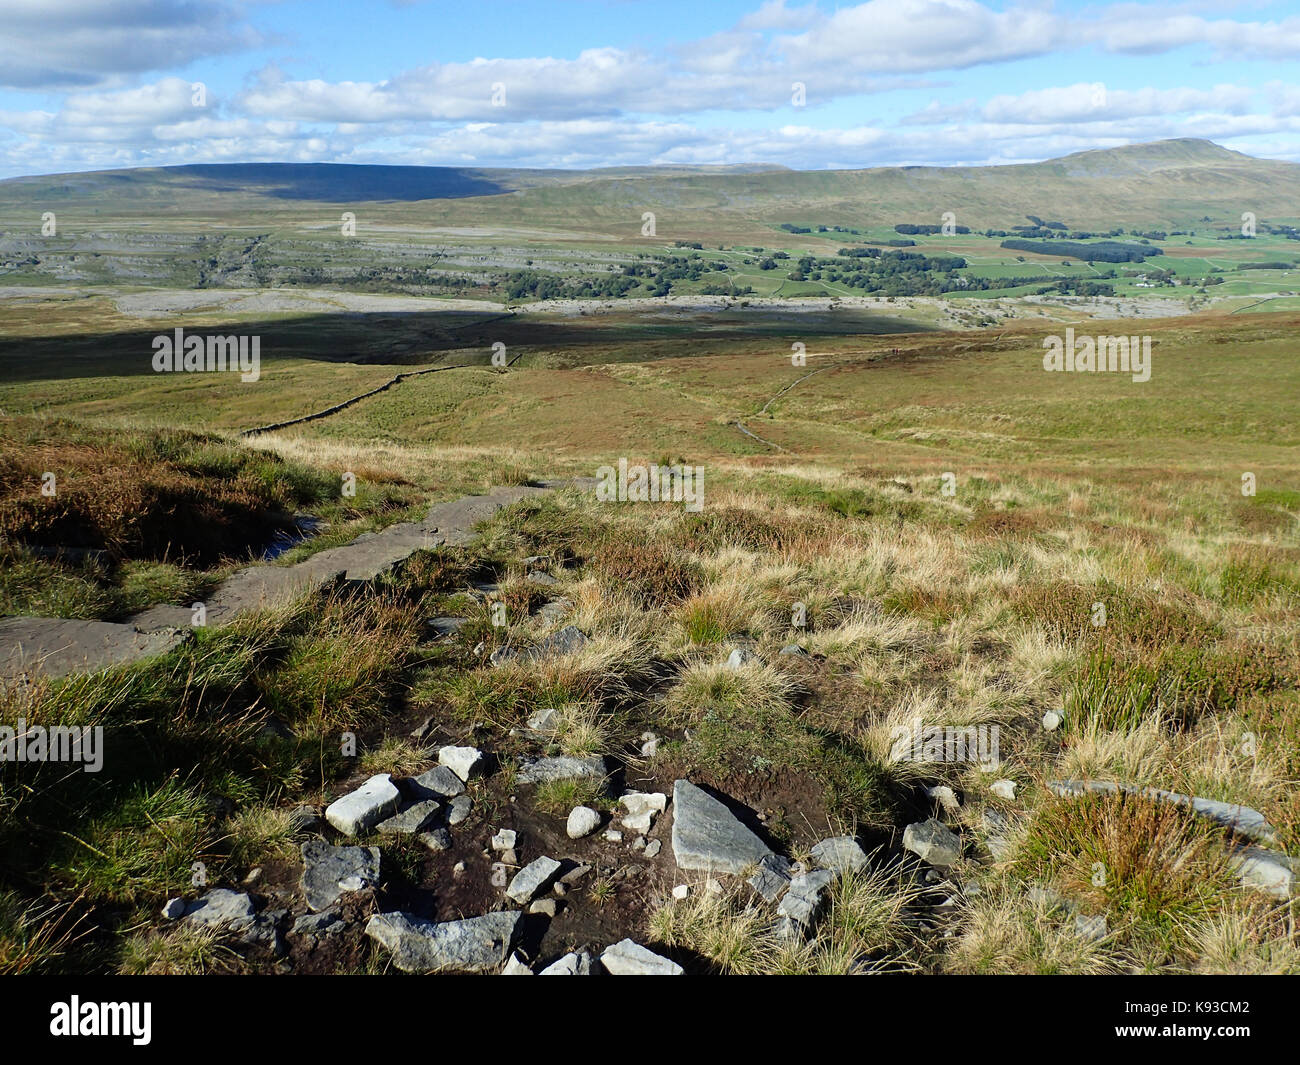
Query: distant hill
point(1164, 184)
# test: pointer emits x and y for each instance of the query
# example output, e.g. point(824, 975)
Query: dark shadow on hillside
point(339, 182)
point(423, 338)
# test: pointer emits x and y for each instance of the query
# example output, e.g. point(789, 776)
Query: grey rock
point(795, 650)
point(575, 874)
point(840, 853)
point(542, 579)
point(772, 877)
point(316, 925)
point(463, 761)
point(932, 842)
point(583, 821)
point(806, 896)
point(545, 720)
point(411, 820)
point(545, 907)
point(442, 627)
point(439, 839)
point(707, 836)
point(565, 641)
point(741, 657)
point(436, 783)
point(641, 808)
point(516, 966)
point(304, 819)
point(505, 839)
point(629, 958)
point(576, 964)
point(326, 869)
point(532, 878)
point(220, 907)
point(364, 808)
point(460, 809)
point(562, 767)
point(1265, 870)
point(652, 848)
point(1240, 820)
point(556, 609)
point(476, 944)
point(173, 909)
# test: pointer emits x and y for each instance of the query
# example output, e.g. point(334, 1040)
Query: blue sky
point(580, 83)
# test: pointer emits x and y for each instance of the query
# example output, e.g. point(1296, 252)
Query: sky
point(90, 85)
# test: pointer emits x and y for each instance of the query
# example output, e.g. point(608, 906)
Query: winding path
point(54, 647)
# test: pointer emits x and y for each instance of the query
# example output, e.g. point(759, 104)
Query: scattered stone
point(932, 843)
point(795, 650)
point(613, 835)
point(741, 657)
point(1265, 870)
point(575, 874)
point(173, 909)
point(638, 844)
point(411, 820)
point(555, 609)
point(771, 878)
point(437, 783)
point(583, 821)
point(840, 854)
point(713, 886)
point(945, 797)
point(562, 767)
point(442, 627)
point(641, 808)
point(682, 891)
point(458, 868)
point(569, 965)
point(1240, 820)
point(505, 839)
point(1051, 721)
point(437, 840)
point(424, 730)
point(545, 580)
point(463, 761)
point(1049, 899)
point(516, 966)
point(545, 907)
point(652, 848)
point(476, 944)
point(1003, 789)
point(707, 836)
point(254, 875)
point(532, 878)
point(536, 562)
point(649, 745)
point(220, 907)
point(566, 641)
point(805, 897)
point(1090, 928)
point(628, 958)
point(547, 720)
point(460, 809)
point(315, 925)
point(509, 857)
point(326, 869)
point(364, 808)
point(559, 889)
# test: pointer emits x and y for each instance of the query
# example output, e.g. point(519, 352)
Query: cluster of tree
point(1040, 224)
point(647, 277)
point(789, 228)
point(1266, 266)
point(910, 229)
point(1077, 286)
point(1106, 251)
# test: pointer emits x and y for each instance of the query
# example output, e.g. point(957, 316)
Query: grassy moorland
point(968, 600)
